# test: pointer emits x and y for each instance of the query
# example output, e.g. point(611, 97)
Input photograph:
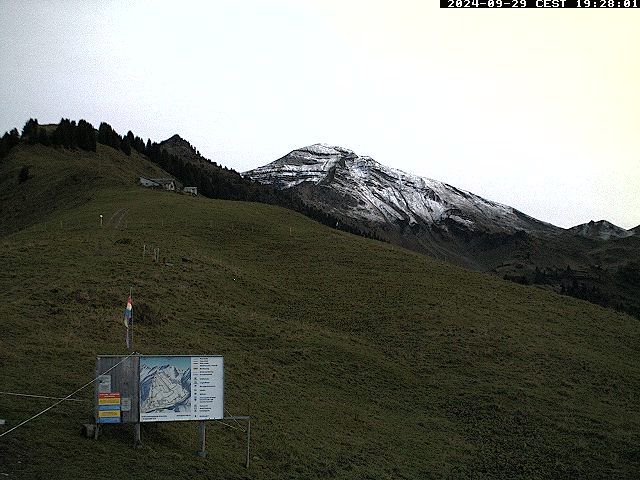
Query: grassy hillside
point(61, 179)
point(354, 358)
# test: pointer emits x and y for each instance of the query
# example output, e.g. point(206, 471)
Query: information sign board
point(109, 407)
point(181, 388)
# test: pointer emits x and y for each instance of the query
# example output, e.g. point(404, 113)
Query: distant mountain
point(451, 224)
point(418, 213)
point(601, 230)
point(178, 157)
point(176, 145)
point(359, 188)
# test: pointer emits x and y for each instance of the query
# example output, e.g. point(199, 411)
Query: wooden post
point(144, 250)
point(137, 441)
point(202, 452)
point(248, 441)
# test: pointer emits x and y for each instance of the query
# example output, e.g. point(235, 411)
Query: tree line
point(67, 134)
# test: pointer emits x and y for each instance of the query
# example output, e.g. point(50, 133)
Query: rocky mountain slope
point(601, 230)
point(451, 224)
point(364, 190)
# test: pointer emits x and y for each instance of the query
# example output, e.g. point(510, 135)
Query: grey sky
point(535, 109)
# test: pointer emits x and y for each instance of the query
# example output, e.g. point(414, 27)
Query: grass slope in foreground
point(356, 359)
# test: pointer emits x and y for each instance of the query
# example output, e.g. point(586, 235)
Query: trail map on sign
point(165, 388)
point(181, 388)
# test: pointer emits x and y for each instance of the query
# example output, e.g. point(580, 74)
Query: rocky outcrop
point(601, 230)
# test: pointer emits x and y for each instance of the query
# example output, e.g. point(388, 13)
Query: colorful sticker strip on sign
point(109, 407)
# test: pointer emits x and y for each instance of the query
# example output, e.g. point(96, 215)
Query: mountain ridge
point(374, 192)
point(601, 229)
point(318, 164)
point(454, 225)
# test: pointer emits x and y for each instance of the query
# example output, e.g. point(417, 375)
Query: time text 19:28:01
point(539, 3)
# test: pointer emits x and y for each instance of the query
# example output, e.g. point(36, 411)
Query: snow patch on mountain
point(374, 192)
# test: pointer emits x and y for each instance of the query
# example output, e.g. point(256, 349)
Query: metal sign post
point(202, 430)
point(137, 441)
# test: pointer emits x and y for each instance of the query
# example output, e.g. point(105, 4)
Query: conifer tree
point(65, 134)
point(43, 137)
point(30, 131)
point(104, 133)
point(8, 141)
point(5, 145)
point(138, 144)
point(125, 146)
point(108, 136)
point(86, 136)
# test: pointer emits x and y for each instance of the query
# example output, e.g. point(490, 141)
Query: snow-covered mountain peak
point(325, 149)
point(359, 188)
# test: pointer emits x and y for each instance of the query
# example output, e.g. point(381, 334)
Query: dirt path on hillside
point(116, 219)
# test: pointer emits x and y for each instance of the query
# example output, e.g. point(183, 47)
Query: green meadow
point(354, 358)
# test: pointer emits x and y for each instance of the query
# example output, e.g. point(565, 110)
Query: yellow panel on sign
point(109, 401)
point(109, 413)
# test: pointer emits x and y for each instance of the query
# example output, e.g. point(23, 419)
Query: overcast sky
point(535, 108)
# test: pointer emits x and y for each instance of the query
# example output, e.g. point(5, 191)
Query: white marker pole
point(100, 220)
